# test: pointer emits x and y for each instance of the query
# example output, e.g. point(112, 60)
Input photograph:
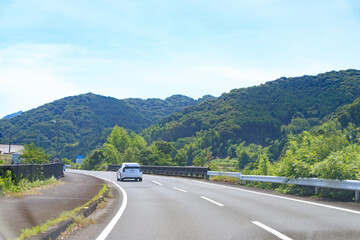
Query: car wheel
point(140, 179)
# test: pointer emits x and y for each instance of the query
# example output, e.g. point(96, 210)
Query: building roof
point(4, 148)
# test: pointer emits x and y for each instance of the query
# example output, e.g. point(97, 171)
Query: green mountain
point(85, 121)
point(261, 114)
point(156, 109)
point(265, 113)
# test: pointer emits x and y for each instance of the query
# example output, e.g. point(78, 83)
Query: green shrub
point(7, 184)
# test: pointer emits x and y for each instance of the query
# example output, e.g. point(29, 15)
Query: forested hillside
point(262, 114)
point(85, 121)
point(299, 127)
point(156, 109)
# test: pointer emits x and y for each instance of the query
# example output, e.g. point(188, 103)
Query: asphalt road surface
point(177, 208)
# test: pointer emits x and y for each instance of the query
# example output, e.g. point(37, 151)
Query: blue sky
point(153, 49)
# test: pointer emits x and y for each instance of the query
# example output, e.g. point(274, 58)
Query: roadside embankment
point(17, 214)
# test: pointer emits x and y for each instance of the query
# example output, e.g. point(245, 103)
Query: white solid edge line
point(212, 201)
point(286, 198)
point(160, 184)
point(179, 189)
point(118, 215)
point(273, 231)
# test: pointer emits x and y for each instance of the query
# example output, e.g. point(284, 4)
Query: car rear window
point(131, 169)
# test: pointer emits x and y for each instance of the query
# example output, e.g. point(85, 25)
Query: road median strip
point(53, 227)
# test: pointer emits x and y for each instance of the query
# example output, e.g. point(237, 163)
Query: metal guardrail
point(350, 185)
point(33, 171)
point(200, 172)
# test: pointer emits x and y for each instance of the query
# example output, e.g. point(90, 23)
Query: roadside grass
point(225, 179)
point(81, 222)
point(24, 187)
point(74, 214)
point(102, 204)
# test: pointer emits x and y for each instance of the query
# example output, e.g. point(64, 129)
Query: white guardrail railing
point(350, 185)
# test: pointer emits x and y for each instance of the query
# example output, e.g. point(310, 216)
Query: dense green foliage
point(262, 115)
point(33, 155)
point(123, 147)
point(328, 151)
point(85, 121)
point(6, 183)
point(324, 152)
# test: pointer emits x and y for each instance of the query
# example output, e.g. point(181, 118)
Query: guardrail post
point(356, 196)
point(316, 191)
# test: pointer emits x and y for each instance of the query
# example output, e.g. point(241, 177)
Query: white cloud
point(30, 87)
point(152, 49)
point(30, 76)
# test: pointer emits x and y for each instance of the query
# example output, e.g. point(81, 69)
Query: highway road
point(162, 207)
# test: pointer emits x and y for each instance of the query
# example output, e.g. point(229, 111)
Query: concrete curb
point(54, 231)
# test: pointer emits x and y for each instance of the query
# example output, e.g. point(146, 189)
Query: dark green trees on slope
point(260, 114)
point(85, 121)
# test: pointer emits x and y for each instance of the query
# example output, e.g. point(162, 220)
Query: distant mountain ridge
point(85, 120)
point(12, 115)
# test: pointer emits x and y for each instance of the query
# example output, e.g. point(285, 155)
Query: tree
point(181, 157)
point(33, 155)
point(303, 151)
point(340, 165)
point(202, 157)
point(296, 126)
point(159, 157)
point(164, 147)
point(119, 138)
point(244, 159)
point(264, 165)
point(111, 154)
point(136, 141)
point(94, 160)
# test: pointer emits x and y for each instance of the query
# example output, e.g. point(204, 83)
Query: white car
point(129, 171)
